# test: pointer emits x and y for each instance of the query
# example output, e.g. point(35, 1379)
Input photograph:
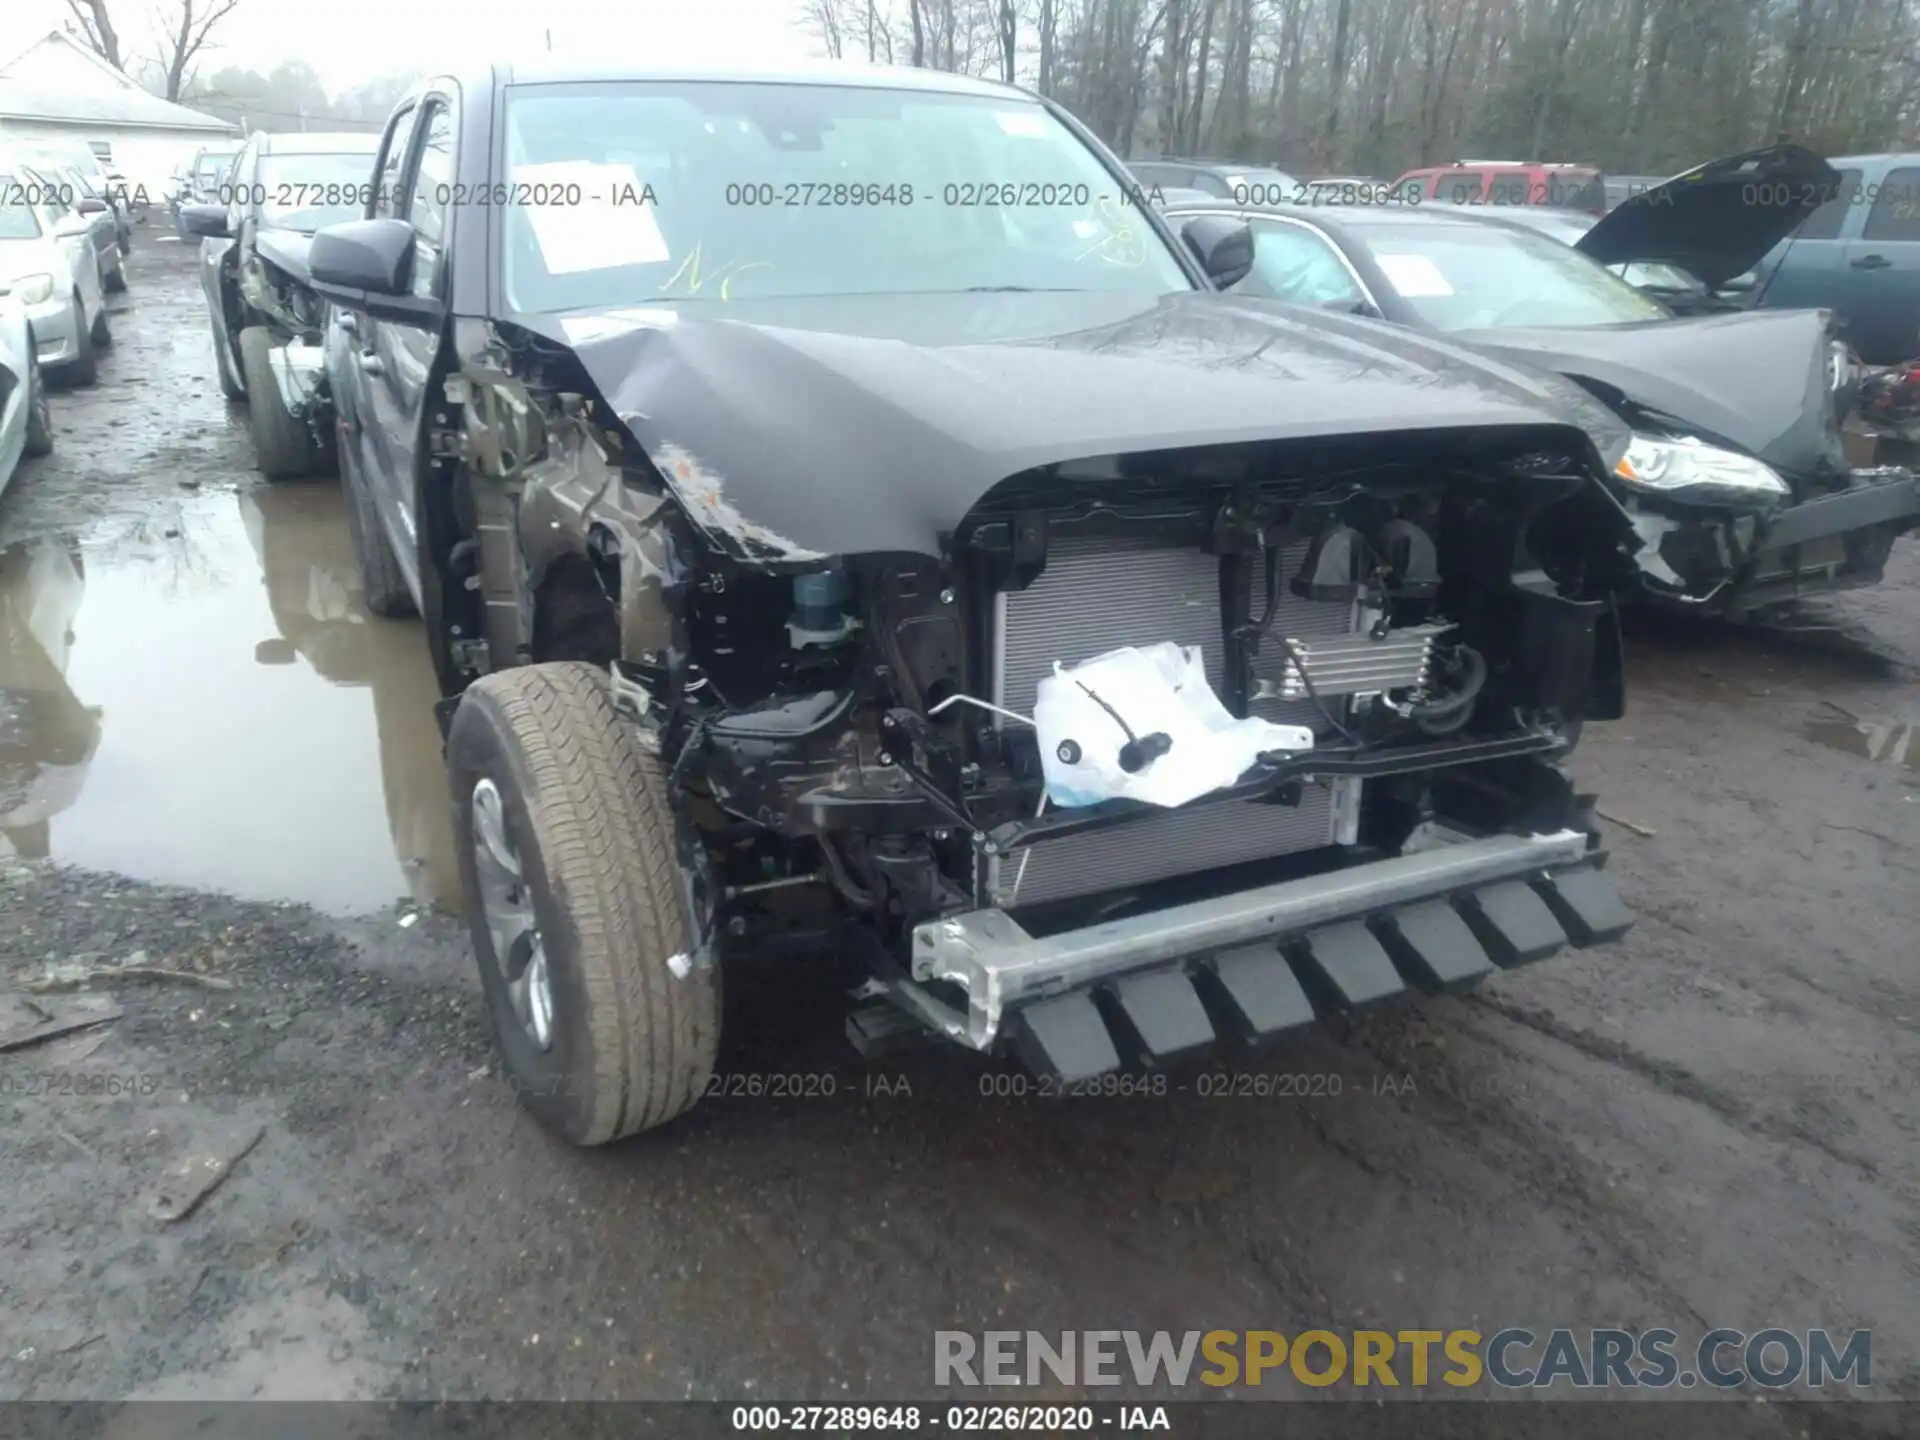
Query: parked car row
point(1583, 188)
point(1107, 631)
point(268, 326)
point(199, 178)
point(1852, 245)
point(1737, 480)
point(26, 421)
point(60, 251)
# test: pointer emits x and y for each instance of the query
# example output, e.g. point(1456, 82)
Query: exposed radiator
point(1098, 595)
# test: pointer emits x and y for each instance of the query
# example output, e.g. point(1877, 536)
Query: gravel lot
point(1711, 1125)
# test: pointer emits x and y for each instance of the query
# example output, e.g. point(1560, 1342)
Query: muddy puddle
point(1894, 743)
point(202, 700)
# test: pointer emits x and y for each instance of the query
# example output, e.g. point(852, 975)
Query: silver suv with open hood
point(1736, 475)
point(849, 526)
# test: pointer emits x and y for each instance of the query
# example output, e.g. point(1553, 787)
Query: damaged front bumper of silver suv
point(299, 372)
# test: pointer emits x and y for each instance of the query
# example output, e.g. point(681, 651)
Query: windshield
point(632, 192)
point(1652, 275)
point(17, 220)
point(1292, 262)
point(305, 192)
point(1467, 276)
point(212, 169)
point(1567, 229)
point(62, 160)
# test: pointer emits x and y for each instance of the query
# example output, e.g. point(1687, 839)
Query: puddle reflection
point(208, 703)
point(1888, 742)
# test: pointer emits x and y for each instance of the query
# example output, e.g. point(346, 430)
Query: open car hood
point(1753, 379)
point(841, 425)
point(1709, 220)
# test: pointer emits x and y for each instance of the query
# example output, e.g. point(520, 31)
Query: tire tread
point(605, 831)
point(281, 445)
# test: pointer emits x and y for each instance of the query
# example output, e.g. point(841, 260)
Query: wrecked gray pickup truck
point(267, 322)
point(760, 494)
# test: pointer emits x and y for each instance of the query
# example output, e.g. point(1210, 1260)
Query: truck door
point(1804, 271)
point(408, 352)
point(399, 388)
point(1882, 285)
point(357, 366)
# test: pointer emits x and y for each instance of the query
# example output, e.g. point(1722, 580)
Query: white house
point(58, 89)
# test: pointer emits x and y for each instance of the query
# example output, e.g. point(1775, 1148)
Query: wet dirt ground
point(233, 769)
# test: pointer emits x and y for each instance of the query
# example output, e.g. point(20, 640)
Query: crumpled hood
point(1707, 222)
point(1756, 380)
point(801, 428)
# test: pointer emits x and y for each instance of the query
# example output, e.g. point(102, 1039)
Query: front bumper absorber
point(1269, 961)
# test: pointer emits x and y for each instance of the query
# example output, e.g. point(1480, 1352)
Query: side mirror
point(275, 652)
point(1739, 284)
point(91, 206)
point(367, 255)
point(366, 265)
point(1224, 247)
point(205, 220)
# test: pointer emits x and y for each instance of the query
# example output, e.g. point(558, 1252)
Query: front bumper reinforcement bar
point(1002, 968)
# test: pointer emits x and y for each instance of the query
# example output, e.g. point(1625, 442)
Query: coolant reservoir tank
point(819, 609)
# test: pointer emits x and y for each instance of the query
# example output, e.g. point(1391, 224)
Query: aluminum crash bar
point(1000, 965)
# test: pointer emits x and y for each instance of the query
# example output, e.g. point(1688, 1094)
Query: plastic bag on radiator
point(1146, 725)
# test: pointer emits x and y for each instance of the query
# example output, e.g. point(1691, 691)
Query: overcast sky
point(353, 40)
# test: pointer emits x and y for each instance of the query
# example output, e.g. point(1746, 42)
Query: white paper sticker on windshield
point(588, 217)
point(1030, 123)
point(1414, 276)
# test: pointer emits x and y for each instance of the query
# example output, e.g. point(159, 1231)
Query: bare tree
point(1337, 81)
point(183, 35)
point(1384, 85)
point(879, 34)
point(97, 26)
point(1048, 26)
point(823, 18)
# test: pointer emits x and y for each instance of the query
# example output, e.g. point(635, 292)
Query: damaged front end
point(274, 287)
point(850, 743)
point(1737, 479)
point(1741, 558)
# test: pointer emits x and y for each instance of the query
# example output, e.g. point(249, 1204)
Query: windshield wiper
point(1021, 290)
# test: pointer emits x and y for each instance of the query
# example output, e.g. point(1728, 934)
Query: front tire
point(114, 282)
point(39, 412)
point(84, 368)
point(565, 836)
point(282, 446)
point(230, 385)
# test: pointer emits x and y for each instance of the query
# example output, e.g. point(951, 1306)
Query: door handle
point(349, 322)
point(1871, 262)
point(371, 364)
